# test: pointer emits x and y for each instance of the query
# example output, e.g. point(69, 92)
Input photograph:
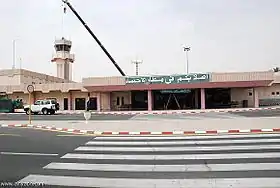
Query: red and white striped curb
point(103, 133)
point(172, 111)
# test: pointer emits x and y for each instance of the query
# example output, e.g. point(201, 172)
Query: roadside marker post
point(30, 89)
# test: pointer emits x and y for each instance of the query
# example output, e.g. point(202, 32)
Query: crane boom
point(96, 39)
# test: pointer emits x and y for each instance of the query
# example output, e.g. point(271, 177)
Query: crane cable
point(62, 19)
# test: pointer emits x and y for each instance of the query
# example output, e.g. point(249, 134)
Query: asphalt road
point(168, 162)
point(62, 117)
point(24, 151)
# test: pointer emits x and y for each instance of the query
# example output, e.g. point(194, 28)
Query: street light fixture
point(187, 49)
point(137, 63)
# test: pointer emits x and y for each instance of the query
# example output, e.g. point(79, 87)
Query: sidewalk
point(154, 112)
point(162, 125)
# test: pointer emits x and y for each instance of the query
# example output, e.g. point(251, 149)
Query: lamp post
point(14, 54)
point(137, 62)
point(187, 49)
point(30, 89)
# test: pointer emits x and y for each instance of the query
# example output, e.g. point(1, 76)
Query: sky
point(224, 35)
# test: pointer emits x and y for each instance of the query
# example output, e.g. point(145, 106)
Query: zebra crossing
point(251, 161)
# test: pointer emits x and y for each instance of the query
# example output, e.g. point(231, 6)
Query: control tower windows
point(62, 47)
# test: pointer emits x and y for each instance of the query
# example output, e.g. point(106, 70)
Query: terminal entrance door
point(177, 99)
point(218, 98)
point(65, 104)
point(92, 103)
point(139, 100)
point(80, 103)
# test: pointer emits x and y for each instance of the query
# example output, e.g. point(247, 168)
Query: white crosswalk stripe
point(164, 168)
point(151, 149)
point(183, 142)
point(167, 162)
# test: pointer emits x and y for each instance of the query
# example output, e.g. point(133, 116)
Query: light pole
point(187, 49)
point(137, 62)
point(14, 54)
point(20, 63)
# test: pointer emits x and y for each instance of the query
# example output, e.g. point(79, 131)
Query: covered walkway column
point(70, 100)
point(256, 98)
point(202, 95)
point(150, 100)
point(196, 99)
point(98, 101)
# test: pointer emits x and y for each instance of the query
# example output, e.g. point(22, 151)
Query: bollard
point(87, 116)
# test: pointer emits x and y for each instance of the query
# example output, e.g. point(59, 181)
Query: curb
point(145, 133)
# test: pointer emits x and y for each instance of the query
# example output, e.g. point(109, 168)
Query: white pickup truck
point(42, 106)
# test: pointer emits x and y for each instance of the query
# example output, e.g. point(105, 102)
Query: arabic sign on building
point(172, 79)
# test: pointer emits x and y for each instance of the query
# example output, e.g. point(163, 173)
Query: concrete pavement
point(100, 117)
point(25, 151)
point(158, 112)
point(163, 125)
point(251, 161)
point(176, 124)
point(61, 117)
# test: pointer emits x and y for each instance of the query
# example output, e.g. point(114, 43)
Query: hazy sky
point(225, 35)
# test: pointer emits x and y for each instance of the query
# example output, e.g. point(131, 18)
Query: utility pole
point(14, 54)
point(20, 63)
point(137, 62)
point(187, 49)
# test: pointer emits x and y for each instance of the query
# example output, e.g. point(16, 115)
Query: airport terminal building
point(147, 92)
point(167, 92)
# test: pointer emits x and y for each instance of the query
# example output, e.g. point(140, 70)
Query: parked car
point(42, 106)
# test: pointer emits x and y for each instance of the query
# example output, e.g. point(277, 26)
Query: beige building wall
point(240, 94)
point(105, 101)
point(65, 95)
point(21, 76)
point(10, 77)
point(241, 76)
point(10, 80)
point(120, 95)
point(277, 77)
point(92, 94)
point(78, 94)
point(30, 77)
point(101, 81)
point(269, 92)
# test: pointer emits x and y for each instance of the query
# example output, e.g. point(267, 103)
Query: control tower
point(63, 58)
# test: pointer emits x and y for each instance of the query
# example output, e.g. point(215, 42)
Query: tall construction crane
point(92, 34)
